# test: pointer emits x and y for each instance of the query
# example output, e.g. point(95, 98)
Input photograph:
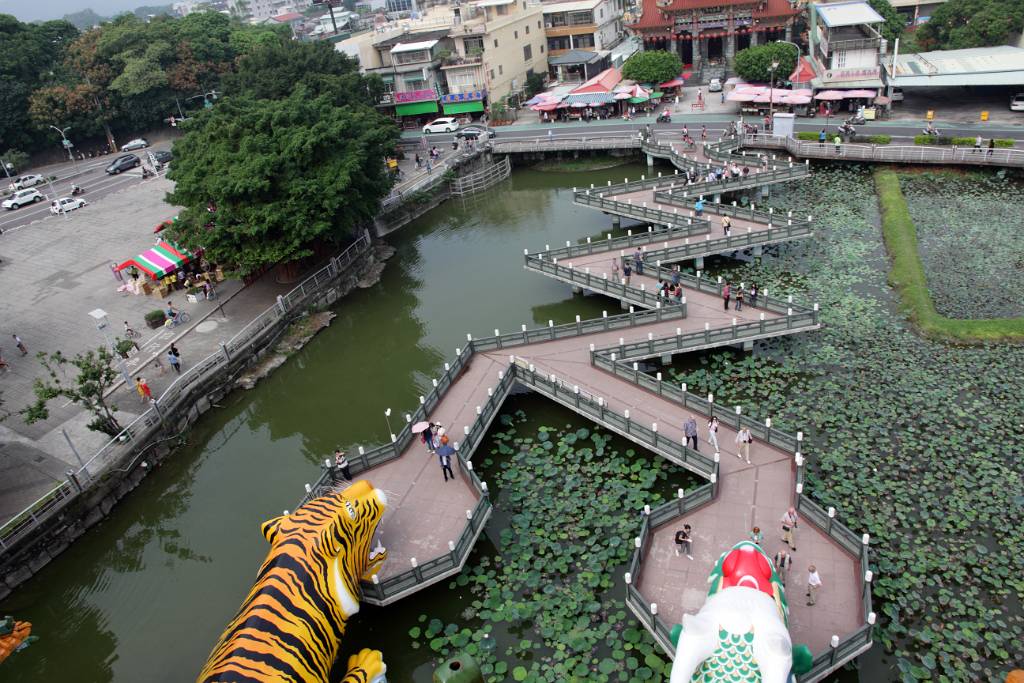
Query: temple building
point(707, 33)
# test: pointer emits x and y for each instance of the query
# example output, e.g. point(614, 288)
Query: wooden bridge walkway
point(593, 368)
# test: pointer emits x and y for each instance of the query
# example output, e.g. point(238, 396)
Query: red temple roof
point(654, 16)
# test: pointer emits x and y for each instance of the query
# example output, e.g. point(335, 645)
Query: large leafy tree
point(894, 23)
point(960, 24)
point(754, 63)
point(88, 387)
point(654, 66)
point(29, 53)
point(262, 180)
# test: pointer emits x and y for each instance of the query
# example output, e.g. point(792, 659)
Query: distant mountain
point(86, 18)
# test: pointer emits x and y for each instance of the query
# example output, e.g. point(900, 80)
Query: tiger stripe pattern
point(289, 627)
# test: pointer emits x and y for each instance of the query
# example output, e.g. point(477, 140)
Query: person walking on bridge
point(713, 433)
point(698, 207)
point(684, 541)
point(726, 225)
point(690, 430)
point(627, 272)
point(638, 261)
point(783, 563)
point(789, 524)
point(615, 269)
point(743, 440)
point(726, 291)
point(813, 585)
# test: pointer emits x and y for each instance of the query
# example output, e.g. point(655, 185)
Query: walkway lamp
point(771, 93)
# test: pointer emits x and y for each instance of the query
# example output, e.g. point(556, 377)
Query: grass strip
point(907, 275)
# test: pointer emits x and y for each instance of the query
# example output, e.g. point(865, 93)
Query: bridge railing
point(908, 154)
point(632, 210)
point(610, 286)
point(596, 408)
point(543, 143)
point(738, 240)
point(686, 195)
point(653, 234)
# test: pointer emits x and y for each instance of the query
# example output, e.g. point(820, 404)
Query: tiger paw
point(366, 667)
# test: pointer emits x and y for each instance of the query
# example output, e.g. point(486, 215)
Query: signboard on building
point(861, 74)
point(415, 96)
point(473, 96)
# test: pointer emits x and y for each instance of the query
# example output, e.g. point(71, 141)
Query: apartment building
point(846, 50)
point(594, 25)
point(454, 59)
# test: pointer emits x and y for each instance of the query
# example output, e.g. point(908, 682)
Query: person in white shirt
point(789, 523)
point(813, 584)
point(744, 439)
point(713, 433)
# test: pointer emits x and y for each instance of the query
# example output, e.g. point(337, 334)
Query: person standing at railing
point(627, 272)
point(977, 144)
point(991, 146)
point(698, 207)
point(726, 292)
point(615, 269)
point(690, 430)
point(638, 261)
point(838, 143)
point(341, 463)
point(739, 298)
point(753, 294)
point(678, 294)
point(676, 275)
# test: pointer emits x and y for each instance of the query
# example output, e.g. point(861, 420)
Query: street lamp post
point(387, 416)
point(66, 143)
point(771, 94)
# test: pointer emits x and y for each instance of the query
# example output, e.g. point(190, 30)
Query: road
point(88, 174)
point(901, 131)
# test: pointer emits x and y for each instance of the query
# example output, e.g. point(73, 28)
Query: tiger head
point(335, 531)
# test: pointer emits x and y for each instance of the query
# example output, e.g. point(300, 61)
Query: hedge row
point(962, 142)
point(864, 139)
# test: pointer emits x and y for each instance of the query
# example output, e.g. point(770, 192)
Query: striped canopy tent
point(160, 261)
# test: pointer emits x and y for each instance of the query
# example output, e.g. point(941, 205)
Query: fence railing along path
point(896, 154)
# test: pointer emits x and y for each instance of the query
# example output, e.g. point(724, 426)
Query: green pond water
point(144, 595)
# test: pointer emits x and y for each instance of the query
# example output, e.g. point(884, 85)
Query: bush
point(873, 139)
point(963, 142)
point(155, 318)
point(807, 135)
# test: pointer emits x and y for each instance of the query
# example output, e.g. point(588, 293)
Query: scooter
point(847, 129)
point(76, 190)
point(855, 120)
point(931, 131)
point(664, 117)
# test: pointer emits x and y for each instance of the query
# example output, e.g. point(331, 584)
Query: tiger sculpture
point(290, 626)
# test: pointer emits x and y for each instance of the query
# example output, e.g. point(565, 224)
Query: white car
point(1017, 102)
point(442, 125)
point(897, 94)
point(27, 181)
point(137, 143)
point(715, 85)
point(65, 204)
point(23, 197)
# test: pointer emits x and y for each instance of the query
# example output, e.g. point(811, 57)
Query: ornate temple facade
point(707, 33)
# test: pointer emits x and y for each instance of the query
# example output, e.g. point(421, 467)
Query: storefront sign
point(415, 96)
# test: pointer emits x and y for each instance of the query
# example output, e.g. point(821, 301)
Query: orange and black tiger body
point(290, 626)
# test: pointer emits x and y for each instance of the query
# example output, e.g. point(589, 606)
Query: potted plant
point(155, 319)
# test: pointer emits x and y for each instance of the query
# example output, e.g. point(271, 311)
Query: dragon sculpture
point(290, 626)
point(741, 633)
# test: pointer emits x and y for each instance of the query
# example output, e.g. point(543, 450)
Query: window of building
point(473, 45)
point(542, 48)
point(558, 43)
point(527, 52)
point(502, 10)
point(538, 23)
point(581, 18)
point(501, 69)
point(515, 34)
point(839, 59)
point(600, 13)
point(495, 42)
point(527, 29)
point(415, 83)
point(411, 57)
point(556, 19)
point(492, 74)
point(584, 40)
point(524, 4)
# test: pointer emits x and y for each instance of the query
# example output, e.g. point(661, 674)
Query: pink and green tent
point(160, 261)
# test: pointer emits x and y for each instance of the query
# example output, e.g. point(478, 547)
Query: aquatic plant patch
point(908, 275)
point(913, 440)
point(573, 506)
point(970, 235)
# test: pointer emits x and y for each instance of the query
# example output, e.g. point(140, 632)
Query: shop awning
point(462, 107)
point(415, 108)
point(160, 261)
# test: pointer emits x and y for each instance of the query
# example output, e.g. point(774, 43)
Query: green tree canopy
point(281, 173)
point(754, 63)
point(894, 23)
point(960, 24)
point(30, 52)
point(655, 66)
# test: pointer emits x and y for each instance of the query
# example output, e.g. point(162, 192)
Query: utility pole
point(330, 8)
